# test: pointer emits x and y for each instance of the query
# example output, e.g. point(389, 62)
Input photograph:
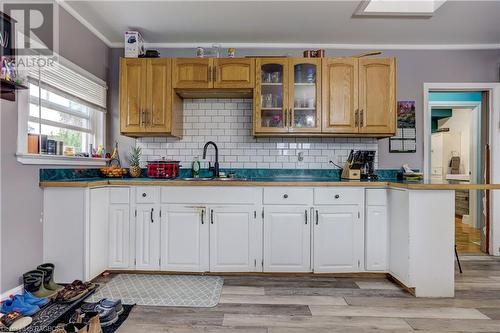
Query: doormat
point(162, 290)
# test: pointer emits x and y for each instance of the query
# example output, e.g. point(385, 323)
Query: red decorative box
point(163, 169)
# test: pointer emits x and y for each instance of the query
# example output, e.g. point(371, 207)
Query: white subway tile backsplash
point(228, 122)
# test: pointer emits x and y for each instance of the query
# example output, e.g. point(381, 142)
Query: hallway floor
point(467, 238)
point(314, 304)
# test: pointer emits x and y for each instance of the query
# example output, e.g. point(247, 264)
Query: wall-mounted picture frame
point(405, 140)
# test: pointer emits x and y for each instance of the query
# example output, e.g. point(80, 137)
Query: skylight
point(425, 8)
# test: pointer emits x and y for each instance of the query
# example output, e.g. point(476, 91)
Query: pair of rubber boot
point(40, 282)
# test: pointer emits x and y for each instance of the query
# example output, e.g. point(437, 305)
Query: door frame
point(494, 141)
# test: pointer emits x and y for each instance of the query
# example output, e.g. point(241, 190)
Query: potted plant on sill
point(135, 161)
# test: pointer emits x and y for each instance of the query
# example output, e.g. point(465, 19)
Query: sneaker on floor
point(117, 305)
point(107, 315)
point(33, 300)
point(17, 304)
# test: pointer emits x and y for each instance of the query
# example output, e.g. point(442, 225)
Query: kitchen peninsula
point(309, 224)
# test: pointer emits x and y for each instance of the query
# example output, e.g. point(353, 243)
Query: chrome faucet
point(215, 168)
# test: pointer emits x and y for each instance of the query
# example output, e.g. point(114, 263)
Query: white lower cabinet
point(184, 238)
point(119, 236)
point(147, 237)
point(338, 239)
point(376, 230)
point(287, 239)
point(376, 238)
point(235, 235)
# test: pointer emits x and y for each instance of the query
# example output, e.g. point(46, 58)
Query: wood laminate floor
point(467, 238)
point(315, 304)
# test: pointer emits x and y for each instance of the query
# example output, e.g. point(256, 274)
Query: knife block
point(349, 173)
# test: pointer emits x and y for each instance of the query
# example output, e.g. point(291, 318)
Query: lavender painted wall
point(413, 69)
point(21, 197)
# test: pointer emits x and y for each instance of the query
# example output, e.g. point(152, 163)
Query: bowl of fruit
point(114, 172)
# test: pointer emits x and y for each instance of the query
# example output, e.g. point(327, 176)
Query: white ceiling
point(327, 24)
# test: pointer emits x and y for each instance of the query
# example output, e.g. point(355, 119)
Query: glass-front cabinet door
point(271, 96)
point(305, 95)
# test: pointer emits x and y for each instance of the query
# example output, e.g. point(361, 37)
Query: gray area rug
point(162, 290)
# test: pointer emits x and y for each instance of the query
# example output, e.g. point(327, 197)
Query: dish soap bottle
point(195, 167)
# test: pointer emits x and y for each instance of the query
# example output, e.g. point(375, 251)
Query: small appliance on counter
point(360, 165)
point(163, 169)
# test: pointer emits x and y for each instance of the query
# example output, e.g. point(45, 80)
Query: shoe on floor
point(117, 305)
point(32, 299)
point(34, 283)
point(107, 315)
point(49, 282)
point(14, 321)
point(17, 304)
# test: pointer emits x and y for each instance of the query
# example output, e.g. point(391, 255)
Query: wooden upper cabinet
point(132, 94)
point(305, 95)
point(377, 95)
point(234, 73)
point(159, 92)
point(148, 105)
point(340, 95)
point(192, 73)
point(271, 96)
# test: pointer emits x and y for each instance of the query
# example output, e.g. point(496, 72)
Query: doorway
point(466, 154)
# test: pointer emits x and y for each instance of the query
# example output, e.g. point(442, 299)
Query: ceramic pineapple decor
point(135, 159)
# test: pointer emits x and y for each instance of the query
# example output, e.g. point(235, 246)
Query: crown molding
point(332, 46)
point(84, 22)
point(304, 46)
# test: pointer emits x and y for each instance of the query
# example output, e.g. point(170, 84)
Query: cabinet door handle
point(305, 215)
point(215, 73)
point(285, 123)
point(210, 73)
point(211, 216)
point(356, 118)
point(290, 117)
point(152, 220)
point(317, 217)
point(202, 216)
point(361, 118)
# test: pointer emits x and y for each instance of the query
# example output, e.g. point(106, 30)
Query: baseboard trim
point(13, 291)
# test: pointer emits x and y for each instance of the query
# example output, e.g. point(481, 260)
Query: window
point(63, 106)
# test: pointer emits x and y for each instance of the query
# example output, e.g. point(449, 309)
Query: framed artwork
point(405, 140)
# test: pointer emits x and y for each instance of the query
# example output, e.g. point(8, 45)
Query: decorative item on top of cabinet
point(287, 97)
point(359, 96)
point(148, 105)
point(225, 73)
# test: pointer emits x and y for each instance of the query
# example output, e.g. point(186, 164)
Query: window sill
point(36, 159)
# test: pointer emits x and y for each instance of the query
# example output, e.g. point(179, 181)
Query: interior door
point(234, 73)
point(119, 236)
point(147, 237)
point(271, 96)
point(338, 239)
point(159, 90)
point(234, 232)
point(305, 95)
point(340, 95)
point(132, 95)
point(287, 239)
point(377, 95)
point(192, 73)
point(184, 238)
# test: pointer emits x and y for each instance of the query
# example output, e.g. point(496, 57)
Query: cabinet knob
point(144, 195)
point(337, 196)
point(285, 196)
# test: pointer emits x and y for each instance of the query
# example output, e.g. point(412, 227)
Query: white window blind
point(66, 82)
